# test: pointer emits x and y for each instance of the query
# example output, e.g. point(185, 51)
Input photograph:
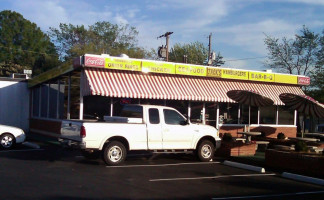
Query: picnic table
point(248, 135)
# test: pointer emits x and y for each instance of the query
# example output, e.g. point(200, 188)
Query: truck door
point(177, 134)
point(154, 129)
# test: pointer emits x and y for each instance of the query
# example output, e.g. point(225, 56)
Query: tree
point(196, 53)
point(101, 37)
point(24, 46)
point(294, 56)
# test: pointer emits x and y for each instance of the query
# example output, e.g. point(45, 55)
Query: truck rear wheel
point(114, 153)
point(205, 151)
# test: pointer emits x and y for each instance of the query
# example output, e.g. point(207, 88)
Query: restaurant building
point(99, 85)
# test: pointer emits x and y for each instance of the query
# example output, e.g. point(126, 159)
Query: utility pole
point(166, 35)
point(209, 49)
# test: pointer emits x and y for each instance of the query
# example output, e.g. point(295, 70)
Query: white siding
point(14, 104)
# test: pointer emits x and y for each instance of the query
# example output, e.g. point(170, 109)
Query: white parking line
point(23, 150)
point(210, 177)
point(165, 165)
point(271, 195)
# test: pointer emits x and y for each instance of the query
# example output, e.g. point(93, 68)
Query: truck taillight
point(83, 132)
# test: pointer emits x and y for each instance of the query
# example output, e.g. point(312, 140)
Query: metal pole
point(167, 44)
point(69, 98)
point(209, 48)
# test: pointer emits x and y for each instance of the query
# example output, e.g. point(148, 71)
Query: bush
point(227, 137)
point(301, 146)
point(281, 136)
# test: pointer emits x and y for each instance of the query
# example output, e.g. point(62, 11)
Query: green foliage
point(301, 146)
point(196, 53)
point(24, 46)
point(101, 37)
point(227, 137)
point(281, 136)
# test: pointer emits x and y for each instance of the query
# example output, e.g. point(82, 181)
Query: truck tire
point(114, 153)
point(205, 151)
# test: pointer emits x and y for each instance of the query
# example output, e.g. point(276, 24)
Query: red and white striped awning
point(129, 84)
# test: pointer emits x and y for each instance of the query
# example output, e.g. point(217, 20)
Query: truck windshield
point(132, 111)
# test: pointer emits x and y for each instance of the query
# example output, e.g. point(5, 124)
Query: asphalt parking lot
point(53, 172)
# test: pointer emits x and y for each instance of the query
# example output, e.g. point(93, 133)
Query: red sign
point(91, 61)
point(303, 80)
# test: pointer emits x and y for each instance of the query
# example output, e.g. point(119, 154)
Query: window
point(154, 116)
point(36, 102)
point(96, 106)
point(196, 112)
point(228, 113)
point(173, 117)
point(285, 116)
point(132, 111)
point(245, 114)
point(268, 115)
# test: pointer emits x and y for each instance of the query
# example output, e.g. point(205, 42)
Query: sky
point(238, 27)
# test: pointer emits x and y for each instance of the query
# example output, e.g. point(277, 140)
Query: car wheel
point(114, 153)
point(7, 141)
point(205, 151)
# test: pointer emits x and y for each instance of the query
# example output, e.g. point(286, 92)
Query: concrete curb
point(301, 178)
point(31, 145)
point(244, 166)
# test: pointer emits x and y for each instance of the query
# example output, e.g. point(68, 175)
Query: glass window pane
point(44, 99)
point(96, 107)
point(285, 116)
point(36, 93)
point(132, 111)
point(245, 114)
point(172, 117)
point(228, 113)
point(154, 116)
point(53, 100)
point(268, 115)
point(181, 106)
point(196, 111)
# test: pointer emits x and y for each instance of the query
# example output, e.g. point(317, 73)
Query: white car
point(9, 136)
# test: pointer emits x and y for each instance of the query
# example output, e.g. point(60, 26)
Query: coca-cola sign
point(91, 61)
point(303, 80)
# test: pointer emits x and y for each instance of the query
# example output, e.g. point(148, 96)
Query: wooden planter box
point(304, 163)
point(236, 149)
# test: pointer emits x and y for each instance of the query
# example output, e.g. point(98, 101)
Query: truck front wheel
point(114, 153)
point(206, 151)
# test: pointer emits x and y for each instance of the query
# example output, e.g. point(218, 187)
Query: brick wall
point(296, 162)
point(236, 149)
point(269, 131)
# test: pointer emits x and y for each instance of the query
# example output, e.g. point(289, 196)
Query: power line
point(246, 58)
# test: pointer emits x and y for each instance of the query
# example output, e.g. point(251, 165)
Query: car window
point(154, 116)
point(172, 117)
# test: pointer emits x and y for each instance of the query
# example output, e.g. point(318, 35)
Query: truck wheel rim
point(6, 141)
point(115, 153)
point(206, 151)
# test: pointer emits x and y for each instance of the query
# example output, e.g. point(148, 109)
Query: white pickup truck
point(142, 127)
